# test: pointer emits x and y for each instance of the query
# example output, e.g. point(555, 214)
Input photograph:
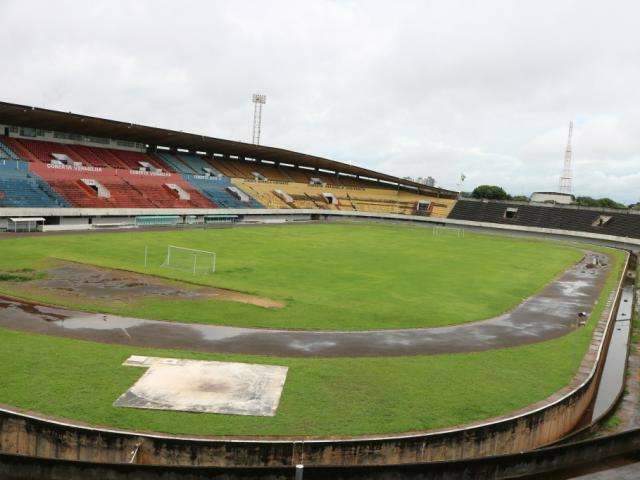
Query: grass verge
point(322, 397)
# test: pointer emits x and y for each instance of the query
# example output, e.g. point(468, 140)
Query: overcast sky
point(408, 88)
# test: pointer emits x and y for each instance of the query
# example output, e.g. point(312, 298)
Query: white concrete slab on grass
point(206, 387)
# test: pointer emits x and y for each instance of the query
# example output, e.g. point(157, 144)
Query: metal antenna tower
point(258, 101)
point(567, 174)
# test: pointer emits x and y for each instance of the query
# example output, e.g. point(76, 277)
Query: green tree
point(491, 192)
point(598, 202)
point(587, 201)
point(609, 203)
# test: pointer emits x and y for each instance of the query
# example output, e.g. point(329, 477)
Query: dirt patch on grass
point(78, 280)
point(22, 275)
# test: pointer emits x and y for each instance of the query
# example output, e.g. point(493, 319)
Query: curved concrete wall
point(530, 464)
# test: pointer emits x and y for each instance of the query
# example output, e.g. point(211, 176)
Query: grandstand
point(106, 187)
point(362, 198)
point(58, 160)
point(67, 160)
point(44, 151)
point(622, 223)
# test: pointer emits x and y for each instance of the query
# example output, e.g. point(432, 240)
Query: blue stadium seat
point(197, 163)
point(6, 153)
point(174, 162)
point(187, 163)
point(215, 189)
point(19, 188)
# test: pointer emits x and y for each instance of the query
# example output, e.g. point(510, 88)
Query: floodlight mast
point(567, 173)
point(258, 101)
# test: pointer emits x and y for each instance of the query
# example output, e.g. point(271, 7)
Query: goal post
point(441, 230)
point(190, 260)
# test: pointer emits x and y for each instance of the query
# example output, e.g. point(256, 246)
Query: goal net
point(190, 260)
point(440, 231)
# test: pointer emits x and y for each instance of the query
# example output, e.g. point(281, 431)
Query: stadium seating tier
point(111, 178)
point(20, 188)
point(558, 217)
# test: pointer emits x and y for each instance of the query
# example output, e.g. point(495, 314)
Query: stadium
point(196, 307)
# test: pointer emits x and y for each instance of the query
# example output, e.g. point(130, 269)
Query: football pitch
point(313, 277)
point(317, 277)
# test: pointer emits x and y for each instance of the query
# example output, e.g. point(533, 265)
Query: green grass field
point(331, 277)
point(340, 396)
point(80, 380)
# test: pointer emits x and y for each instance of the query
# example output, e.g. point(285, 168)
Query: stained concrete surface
point(549, 314)
point(205, 387)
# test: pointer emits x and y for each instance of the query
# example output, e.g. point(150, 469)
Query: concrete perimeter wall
point(74, 217)
point(529, 464)
point(539, 425)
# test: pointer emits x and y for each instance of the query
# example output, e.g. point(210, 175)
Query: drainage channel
point(613, 373)
point(613, 378)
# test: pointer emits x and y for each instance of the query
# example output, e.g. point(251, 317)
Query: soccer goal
point(440, 231)
point(190, 260)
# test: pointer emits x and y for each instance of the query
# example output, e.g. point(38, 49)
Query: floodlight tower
point(567, 174)
point(258, 101)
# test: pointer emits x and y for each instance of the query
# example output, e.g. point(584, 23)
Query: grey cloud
point(411, 87)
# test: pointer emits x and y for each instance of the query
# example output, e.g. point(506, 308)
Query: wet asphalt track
point(549, 314)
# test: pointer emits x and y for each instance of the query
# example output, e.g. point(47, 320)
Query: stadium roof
point(67, 122)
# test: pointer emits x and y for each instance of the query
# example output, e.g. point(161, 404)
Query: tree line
point(494, 192)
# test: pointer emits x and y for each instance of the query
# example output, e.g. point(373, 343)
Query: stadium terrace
point(58, 160)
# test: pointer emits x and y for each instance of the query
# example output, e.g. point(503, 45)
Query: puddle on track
point(549, 314)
